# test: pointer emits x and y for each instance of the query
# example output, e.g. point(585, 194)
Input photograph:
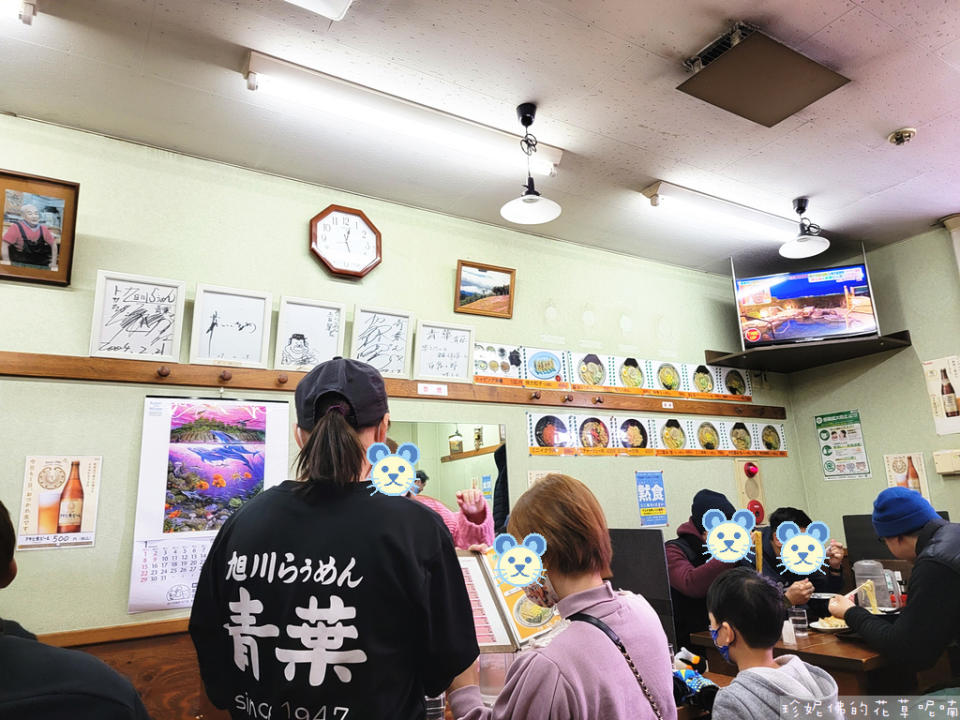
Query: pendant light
point(809, 241)
point(531, 208)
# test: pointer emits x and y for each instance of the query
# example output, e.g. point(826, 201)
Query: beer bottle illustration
point(948, 396)
point(71, 502)
point(913, 477)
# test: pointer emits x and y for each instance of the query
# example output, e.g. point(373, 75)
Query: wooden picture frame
point(245, 313)
point(38, 221)
point(137, 317)
point(443, 352)
point(304, 341)
point(375, 339)
point(478, 289)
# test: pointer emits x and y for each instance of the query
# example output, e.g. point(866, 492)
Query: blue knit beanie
point(899, 511)
point(709, 500)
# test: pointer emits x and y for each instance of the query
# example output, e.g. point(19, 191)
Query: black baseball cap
point(358, 383)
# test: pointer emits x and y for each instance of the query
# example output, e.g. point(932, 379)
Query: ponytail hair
point(333, 456)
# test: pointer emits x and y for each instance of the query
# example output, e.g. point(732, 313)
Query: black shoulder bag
point(583, 617)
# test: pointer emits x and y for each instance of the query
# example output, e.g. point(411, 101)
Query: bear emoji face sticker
point(728, 540)
point(393, 474)
point(519, 564)
point(803, 553)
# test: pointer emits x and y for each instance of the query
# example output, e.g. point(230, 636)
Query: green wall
point(916, 286)
point(153, 212)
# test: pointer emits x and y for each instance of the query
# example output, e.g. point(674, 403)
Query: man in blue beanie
point(690, 570)
point(912, 530)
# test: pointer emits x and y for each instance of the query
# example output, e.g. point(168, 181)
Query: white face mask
point(543, 594)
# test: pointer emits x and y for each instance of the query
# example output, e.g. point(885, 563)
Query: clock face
point(345, 240)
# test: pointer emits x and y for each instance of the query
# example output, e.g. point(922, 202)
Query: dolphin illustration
point(223, 437)
point(211, 457)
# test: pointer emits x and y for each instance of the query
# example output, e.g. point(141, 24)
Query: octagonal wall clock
point(345, 241)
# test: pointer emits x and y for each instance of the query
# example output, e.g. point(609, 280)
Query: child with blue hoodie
point(747, 612)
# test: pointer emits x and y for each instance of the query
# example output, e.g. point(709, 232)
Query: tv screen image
point(805, 306)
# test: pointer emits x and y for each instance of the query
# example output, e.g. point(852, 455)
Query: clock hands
point(346, 240)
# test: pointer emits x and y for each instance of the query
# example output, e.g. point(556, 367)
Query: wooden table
point(857, 669)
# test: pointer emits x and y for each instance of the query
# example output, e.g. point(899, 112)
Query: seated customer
point(690, 570)
point(472, 525)
point(746, 613)
point(799, 588)
point(577, 672)
point(930, 621)
point(42, 682)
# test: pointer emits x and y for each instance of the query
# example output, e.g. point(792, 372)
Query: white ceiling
point(604, 72)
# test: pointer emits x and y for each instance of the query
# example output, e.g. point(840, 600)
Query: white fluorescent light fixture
point(436, 131)
point(333, 9)
point(28, 11)
point(729, 218)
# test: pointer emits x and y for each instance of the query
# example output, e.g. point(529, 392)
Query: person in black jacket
point(797, 589)
point(930, 621)
point(323, 599)
point(501, 491)
point(41, 682)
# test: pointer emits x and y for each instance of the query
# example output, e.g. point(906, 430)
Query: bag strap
point(614, 638)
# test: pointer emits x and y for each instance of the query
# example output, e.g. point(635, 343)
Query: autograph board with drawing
point(308, 333)
point(230, 327)
point(137, 317)
point(383, 338)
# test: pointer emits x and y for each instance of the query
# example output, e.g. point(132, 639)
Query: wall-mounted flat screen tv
point(806, 306)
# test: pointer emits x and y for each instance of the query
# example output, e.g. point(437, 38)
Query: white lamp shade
point(530, 210)
point(804, 246)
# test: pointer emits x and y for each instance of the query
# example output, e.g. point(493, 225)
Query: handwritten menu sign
point(137, 317)
point(444, 352)
point(383, 338)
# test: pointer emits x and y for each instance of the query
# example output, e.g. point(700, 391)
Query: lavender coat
point(580, 674)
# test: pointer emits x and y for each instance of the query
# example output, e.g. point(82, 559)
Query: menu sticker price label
point(434, 389)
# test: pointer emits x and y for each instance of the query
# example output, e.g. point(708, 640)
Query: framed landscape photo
point(230, 327)
point(383, 338)
point(39, 218)
point(137, 317)
point(484, 289)
point(308, 333)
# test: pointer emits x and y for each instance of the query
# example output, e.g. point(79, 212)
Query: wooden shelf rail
point(470, 453)
point(72, 367)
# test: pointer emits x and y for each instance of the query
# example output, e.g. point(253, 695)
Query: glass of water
point(798, 618)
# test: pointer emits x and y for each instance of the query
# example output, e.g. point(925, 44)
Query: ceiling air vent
point(754, 76)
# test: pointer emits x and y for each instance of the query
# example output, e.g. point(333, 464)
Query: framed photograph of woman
point(484, 289)
point(39, 217)
point(230, 327)
point(308, 333)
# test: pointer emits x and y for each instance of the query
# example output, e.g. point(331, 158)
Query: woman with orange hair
point(609, 658)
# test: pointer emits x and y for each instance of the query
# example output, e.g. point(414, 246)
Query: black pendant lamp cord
point(528, 143)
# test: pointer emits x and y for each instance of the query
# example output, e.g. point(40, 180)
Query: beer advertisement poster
point(200, 460)
point(942, 377)
point(59, 505)
point(907, 471)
